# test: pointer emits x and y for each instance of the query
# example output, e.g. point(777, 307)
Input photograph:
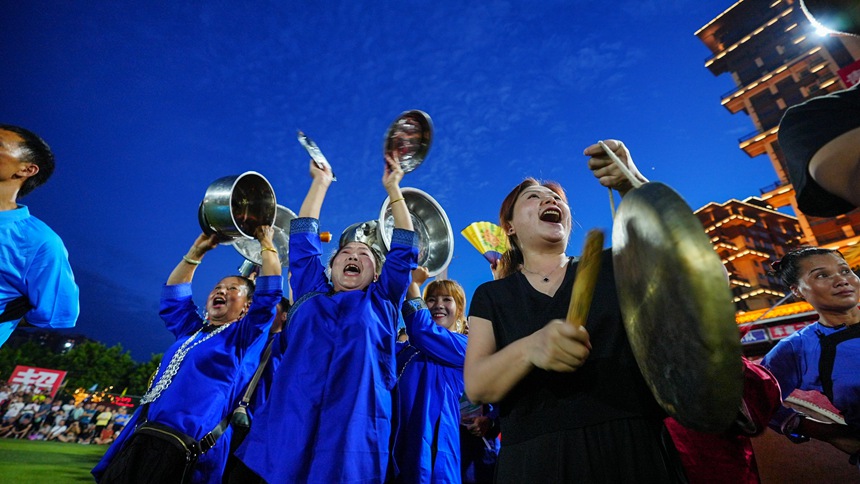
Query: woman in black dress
point(574, 406)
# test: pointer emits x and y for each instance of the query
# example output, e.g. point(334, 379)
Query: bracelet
point(272, 249)
point(190, 261)
point(396, 200)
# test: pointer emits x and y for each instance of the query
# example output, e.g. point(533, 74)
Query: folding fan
point(488, 238)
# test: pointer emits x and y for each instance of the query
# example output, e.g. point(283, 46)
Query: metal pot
point(250, 248)
point(234, 206)
point(409, 136)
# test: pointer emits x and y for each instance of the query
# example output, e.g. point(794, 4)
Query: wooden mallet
point(586, 278)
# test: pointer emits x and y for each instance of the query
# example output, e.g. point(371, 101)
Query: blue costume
point(427, 406)
point(211, 378)
point(328, 416)
point(796, 362)
point(36, 280)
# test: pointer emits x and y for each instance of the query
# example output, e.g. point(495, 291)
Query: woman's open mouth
point(552, 215)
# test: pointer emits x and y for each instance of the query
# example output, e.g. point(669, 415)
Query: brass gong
point(677, 308)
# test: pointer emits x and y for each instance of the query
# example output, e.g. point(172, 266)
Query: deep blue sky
point(146, 103)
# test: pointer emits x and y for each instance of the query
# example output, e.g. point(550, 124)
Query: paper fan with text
point(488, 238)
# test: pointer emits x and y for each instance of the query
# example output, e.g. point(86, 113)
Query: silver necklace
point(546, 276)
point(173, 367)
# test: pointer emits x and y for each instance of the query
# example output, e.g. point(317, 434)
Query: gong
point(677, 308)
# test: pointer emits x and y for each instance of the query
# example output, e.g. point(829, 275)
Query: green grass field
point(26, 461)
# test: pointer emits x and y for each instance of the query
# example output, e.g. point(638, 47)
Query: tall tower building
point(747, 235)
point(778, 59)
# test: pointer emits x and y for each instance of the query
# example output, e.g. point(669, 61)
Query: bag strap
point(828, 355)
point(264, 360)
point(267, 353)
point(208, 441)
point(203, 445)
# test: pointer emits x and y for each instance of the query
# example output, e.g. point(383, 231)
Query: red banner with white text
point(36, 380)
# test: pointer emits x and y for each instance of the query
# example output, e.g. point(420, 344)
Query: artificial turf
point(36, 461)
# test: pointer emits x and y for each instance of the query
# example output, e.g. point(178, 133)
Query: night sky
point(146, 104)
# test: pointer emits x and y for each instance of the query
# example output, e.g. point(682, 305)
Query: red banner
point(783, 330)
point(38, 380)
point(850, 74)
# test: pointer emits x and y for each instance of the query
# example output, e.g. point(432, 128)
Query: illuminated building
point(777, 59)
point(747, 235)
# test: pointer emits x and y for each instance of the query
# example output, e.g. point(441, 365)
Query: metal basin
point(234, 206)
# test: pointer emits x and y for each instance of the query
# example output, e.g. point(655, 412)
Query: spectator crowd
point(35, 416)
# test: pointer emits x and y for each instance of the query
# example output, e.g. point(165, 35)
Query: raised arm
point(419, 276)
point(836, 166)
point(184, 271)
point(607, 172)
point(391, 181)
point(269, 254)
point(321, 179)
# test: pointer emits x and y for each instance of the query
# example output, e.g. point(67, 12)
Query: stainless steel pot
point(409, 136)
point(250, 248)
point(234, 206)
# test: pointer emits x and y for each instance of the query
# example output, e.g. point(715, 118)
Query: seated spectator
point(89, 414)
point(57, 430)
point(71, 433)
point(77, 412)
point(67, 407)
point(38, 433)
point(6, 426)
point(87, 434)
point(106, 435)
point(121, 418)
point(43, 411)
point(21, 428)
point(103, 417)
point(30, 409)
point(5, 392)
point(13, 411)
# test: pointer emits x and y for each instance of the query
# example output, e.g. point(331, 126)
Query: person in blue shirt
point(824, 356)
point(328, 415)
point(201, 376)
point(430, 383)
point(38, 283)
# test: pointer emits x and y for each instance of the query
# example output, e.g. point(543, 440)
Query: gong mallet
point(586, 277)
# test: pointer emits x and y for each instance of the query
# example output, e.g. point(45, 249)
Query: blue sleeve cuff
point(304, 225)
point(404, 237)
point(414, 305)
point(176, 291)
point(269, 283)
